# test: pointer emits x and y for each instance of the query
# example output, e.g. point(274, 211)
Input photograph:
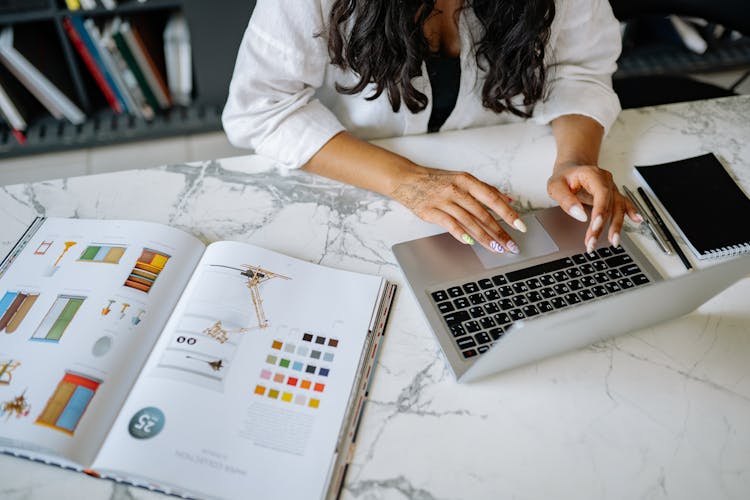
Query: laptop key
point(465, 342)
point(496, 333)
point(486, 322)
point(574, 285)
point(587, 269)
point(572, 299)
point(601, 278)
point(472, 326)
point(477, 312)
point(461, 303)
point(533, 284)
point(600, 265)
point(470, 287)
point(640, 279)
point(457, 330)
point(599, 290)
point(485, 283)
point(491, 294)
point(516, 314)
point(579, 258)
point(455, 291)
point(561, 289)
point(534, 296)
point(618, 260)
point(520, 287)
point(604, 252)
point(491, 308)
point(445, 307)
point(439, 296)
point(625, 283)
point(614, 274)
point(544, 307)
point(560, 276)
point(477, 298)
point(586, 294)
point(499, 280)
point(456, 317)
point(612, 287)
point(520, 300)
point(574, 272)
point(482, 338)
point(547, 280)
point(558, 302)
point(469, 353)
point(617, 250)
point(547, 293)
point(530, 310)
point(588, 281)
point(630, 269)
point(483, 348)
point(505, 291)
point(501, 318)
point(505, 304)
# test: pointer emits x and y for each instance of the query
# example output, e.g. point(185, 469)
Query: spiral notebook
point(704, 203)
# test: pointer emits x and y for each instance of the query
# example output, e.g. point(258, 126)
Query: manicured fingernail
point(590, 244)
point(512, 247)
point(467, 239)
point(597, 224)
point(616, 240)
point(497, 247)
point(637, 218)
point(577, 213)
point(518, 224)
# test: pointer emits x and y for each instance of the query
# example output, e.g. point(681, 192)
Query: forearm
point(353, 161)
point(578, 139)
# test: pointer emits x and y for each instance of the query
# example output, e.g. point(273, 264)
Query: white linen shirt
point(283, 101)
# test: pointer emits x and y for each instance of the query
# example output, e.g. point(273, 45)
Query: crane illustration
point(254, 276)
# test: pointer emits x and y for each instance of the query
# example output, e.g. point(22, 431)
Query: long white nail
point(637, 218)
point(513, 247)
point(590, 244)
point(597, 223)
point(577, 213)
point(616, 240)
point(518, 224)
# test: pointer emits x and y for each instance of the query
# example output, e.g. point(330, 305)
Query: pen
point(650, 225)
point(665, 229)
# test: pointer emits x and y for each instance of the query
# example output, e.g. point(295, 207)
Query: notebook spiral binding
point(729, 251)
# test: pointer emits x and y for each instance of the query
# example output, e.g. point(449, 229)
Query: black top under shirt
point(445, 79)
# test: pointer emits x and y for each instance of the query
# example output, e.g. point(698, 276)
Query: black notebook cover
point(708, 208)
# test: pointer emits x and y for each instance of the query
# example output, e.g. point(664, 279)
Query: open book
point(133, 351)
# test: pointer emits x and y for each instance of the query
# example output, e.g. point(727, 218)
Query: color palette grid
point(295, 371)
point(148, 267)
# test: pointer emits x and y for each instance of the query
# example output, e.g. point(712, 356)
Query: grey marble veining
point(663, 412)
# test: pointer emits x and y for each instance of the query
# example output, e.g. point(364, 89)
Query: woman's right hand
point(460, 203)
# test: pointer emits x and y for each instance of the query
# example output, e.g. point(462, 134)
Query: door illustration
point(146, 270)
point(68, 403)
point(58, 318)
point(13, 309)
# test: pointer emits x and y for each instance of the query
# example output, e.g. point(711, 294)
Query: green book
point(135, 68)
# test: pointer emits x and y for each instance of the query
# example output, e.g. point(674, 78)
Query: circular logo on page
point(146, 423)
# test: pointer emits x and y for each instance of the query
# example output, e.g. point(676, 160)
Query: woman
point(315, 79)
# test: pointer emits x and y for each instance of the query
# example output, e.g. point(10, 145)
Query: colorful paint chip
point(299, 399)
point(323, 372)
point(298, 365)
point(284, 363)
point(287, 397)
point(314, 403)
point(279, 378)
point(271, 359)
point(307, 337)
point(289, 348)
point(315, 354)
point(319, 387)
point(265, 374)
point(273, 393)
point(320, 340)
point(292, 381)
point(302, 350)
point(276, 345)
point(310, 369)
point(305, 384)
point(333, 342)
point(328, 356)
point(260, 390)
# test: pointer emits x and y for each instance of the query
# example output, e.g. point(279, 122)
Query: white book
point(44, 90)
point(136, 351)
point(177, 55)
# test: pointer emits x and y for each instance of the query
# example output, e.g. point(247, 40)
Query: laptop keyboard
point(480, 312)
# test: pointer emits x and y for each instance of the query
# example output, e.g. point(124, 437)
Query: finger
point(495, 200)
point(479, 212)
point(632, 212)
point(559, 191)
point(600, 213)
point(492, 242)
point(447, 222)
point(618, 216)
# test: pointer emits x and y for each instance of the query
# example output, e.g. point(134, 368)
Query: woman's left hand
point(572, 184)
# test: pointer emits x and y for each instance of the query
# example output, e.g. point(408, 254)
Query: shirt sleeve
point(582, 59)
point(271, 106)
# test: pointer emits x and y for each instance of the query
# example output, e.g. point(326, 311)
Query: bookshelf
point(39, 33)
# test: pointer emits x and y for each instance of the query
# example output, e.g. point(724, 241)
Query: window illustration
point(102, 253)
point(13, 309)
point(43, 247)
point(58, 318)
point(146, 270)
point(69, 401)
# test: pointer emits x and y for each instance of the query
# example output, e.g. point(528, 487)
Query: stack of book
point(136, 72)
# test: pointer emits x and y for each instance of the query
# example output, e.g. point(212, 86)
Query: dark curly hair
point(386, 46)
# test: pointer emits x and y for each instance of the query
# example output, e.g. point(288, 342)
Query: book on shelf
point(133, 351)
point(177, 57)
point(144, 57)
point(11, 108)
point(56, 102)
point(91, 57)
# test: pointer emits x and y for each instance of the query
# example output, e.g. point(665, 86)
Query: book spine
point(149, 69)
point(88, 59)
point(20, 244)
point(141, 106)
point(109, 66)
point(131, 62)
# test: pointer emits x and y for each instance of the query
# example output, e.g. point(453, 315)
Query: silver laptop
point(491, 312)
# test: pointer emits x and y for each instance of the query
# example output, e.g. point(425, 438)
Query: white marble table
point(659, 413)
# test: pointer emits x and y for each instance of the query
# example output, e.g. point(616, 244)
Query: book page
point(81, 305)
point(247, 387)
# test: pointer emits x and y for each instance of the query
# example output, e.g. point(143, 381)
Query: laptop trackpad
point(536, 242)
